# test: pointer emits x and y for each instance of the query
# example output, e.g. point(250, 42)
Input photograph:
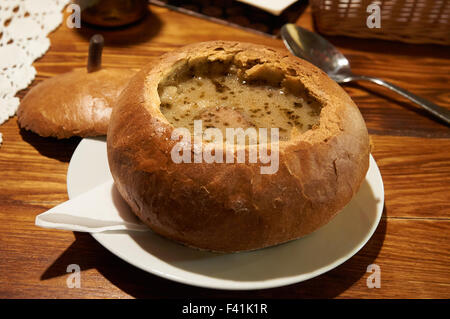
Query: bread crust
point(232, 207)
point(76, 103)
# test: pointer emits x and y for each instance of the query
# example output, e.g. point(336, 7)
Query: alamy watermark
point(374, 19)
point(74, 279)
point(74, 20)
point(374, 280)
point(209, 146)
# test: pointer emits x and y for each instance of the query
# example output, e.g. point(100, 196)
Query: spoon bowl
point(315, 49)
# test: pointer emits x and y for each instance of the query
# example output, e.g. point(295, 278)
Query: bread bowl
point(77, 103)
point(230, 207)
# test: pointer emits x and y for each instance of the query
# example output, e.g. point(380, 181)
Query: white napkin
point(273, 6)
point(98, 210)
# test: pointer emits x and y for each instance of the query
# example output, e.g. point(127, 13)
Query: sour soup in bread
point(221, 99)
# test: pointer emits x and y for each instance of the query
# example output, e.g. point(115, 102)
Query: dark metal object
point(236, 14)
point(95, 53)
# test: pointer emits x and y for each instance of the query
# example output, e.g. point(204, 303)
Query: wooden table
point(411, 244)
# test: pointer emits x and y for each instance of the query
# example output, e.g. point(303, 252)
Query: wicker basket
point(413, 21)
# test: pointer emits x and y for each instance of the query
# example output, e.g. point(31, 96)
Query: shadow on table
point(138, 32)
point(60, 150)
point(88, 253)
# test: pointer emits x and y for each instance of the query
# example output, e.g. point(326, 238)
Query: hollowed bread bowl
point(230, 207)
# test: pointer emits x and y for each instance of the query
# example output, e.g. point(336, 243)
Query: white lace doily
point(24, 26)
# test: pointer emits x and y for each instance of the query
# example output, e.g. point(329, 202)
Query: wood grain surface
point(411, 245)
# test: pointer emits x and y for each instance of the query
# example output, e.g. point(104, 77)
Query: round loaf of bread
point(322, 148)
point(76, 103)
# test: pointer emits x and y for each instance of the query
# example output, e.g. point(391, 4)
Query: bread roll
point(76, 103)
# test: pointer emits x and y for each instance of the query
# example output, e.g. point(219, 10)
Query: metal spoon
point(317, 50)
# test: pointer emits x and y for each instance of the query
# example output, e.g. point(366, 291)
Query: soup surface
point(226, 101)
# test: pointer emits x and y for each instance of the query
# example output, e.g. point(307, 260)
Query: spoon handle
point(436, 110)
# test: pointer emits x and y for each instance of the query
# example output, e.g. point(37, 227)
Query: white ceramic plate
point(281, 265)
